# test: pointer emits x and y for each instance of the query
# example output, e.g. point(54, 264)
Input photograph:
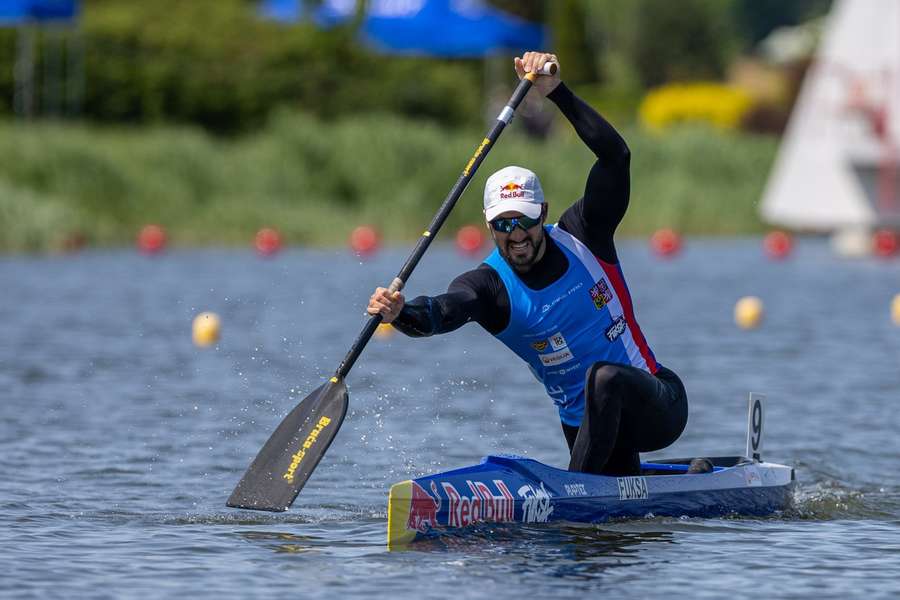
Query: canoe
point(515, 489)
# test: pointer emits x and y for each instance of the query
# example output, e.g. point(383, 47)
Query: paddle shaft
point(428, 235)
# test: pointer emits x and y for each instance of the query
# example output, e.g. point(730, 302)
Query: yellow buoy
point(895, 310)
point(206, 329)
point(384, 331)
point(748, 312)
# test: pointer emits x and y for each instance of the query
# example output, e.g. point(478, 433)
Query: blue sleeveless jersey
point(584, 317)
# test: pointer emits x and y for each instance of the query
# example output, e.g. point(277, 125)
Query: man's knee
point(603, 377)
point(603, 393)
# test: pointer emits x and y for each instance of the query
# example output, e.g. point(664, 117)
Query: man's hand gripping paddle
point(288, 458)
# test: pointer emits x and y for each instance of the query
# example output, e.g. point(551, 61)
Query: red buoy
point(665, 243)
point(151, 239)
point(885, 243)
point(469, 239)
point(364, 240)
point(778, 245)
point(267, 241)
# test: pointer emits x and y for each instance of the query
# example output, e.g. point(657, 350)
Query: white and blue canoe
point(515, 489)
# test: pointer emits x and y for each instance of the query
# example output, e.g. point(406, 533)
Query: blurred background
point(216, 118)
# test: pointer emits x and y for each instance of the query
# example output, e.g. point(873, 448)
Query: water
point(121, 441)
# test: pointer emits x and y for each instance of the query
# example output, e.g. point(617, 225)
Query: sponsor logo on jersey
point(558, 393)
point(616, 329)
point(600, 294)
point(565, 369)
point(539, 345)
point(556, 358)
point(560, 298)
point(557, 341)
point(632, 488)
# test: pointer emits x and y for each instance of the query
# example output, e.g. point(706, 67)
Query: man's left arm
point(607, 189)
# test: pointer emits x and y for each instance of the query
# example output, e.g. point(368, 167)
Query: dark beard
point(523, 263)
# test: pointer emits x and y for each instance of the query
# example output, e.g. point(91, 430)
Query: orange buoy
point(151, 239)
point(267, 241)
point(778, 245)
point(364, 240)
point(885, 243)
point(469, 239)
point(666, 243)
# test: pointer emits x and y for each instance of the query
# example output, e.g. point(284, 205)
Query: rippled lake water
point(121, 440)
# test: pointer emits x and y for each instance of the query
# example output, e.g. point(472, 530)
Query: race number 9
point(755, 420)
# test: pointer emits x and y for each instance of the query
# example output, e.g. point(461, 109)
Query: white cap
point(513, 188)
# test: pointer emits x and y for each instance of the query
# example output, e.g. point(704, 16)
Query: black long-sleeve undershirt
point(479, 295)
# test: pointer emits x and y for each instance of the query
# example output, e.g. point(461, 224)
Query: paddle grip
point(549, 68)
point(396, 285)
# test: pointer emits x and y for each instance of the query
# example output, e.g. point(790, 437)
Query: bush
point(32, 221)
point(698, 180)
point(316, 180)
point(646, 43)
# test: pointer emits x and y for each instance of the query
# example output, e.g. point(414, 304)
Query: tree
point(688, 39)
point(757, 18)
point(568, 21)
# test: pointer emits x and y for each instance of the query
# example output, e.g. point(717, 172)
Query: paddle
point(288, 458)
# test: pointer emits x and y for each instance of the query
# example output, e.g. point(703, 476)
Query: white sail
point(837, 167)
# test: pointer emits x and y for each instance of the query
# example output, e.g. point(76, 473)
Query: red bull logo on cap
point(511, 190)
point(423, 508)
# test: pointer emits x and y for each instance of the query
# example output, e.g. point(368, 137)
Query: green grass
point(316, 180)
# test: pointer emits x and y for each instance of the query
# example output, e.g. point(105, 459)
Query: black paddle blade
point(281, 468)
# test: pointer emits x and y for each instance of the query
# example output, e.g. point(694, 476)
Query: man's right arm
point(477, 295)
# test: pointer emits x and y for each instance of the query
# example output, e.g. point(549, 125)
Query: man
point(556, 296)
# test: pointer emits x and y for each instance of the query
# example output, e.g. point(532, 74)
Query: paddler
point(556, 296)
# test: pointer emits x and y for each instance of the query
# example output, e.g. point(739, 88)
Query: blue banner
point(284, 11)
point(450, 28)
point(19, 11)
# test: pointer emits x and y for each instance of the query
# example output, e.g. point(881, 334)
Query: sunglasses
point(506, 225)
